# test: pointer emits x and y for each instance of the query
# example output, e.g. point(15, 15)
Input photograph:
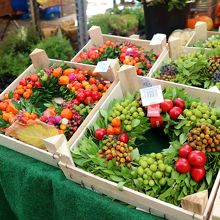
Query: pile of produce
point(211, 42)
point(127, 53)
point(110, 147)
point(60, 97)
point(200, 69)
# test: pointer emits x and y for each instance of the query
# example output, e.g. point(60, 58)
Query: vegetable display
point(211, 42)
point(117, 147)
point(200, 69)
point(59, 96)
point(127, 53)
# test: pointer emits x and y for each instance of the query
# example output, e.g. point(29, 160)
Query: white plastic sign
point(151, 95)
point(102, 66)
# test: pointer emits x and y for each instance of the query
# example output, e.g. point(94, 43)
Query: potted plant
point(164, 16)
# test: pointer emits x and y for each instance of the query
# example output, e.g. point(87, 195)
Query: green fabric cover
point(32, 190)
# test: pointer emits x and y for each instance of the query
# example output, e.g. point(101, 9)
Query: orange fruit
point(116, 122)
point(117, 130)
point(11, 108)
point(3, 106)
point(26, 95)
point(110, 130)
point(62, 127)
point(63, 80)
point(20, 91)
point(6, 116)
point(57, 72)
point(66, 113)
point(66, 72)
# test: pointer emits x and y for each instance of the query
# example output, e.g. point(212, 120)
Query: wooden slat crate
point(37, 153)
point(200, 33)
point(132, 197)
point(97, 39)
point(216, 207)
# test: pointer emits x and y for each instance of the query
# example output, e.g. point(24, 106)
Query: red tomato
point(81, 77)
point(92, 80)
point(80, 96)
point(198, 173)
point(100, 133)
point(34, 77)
point(87, 92)
point(156, 121)
point(123, 138)
point(197, 158)
point(175, 112)
point(23, 82)
point(88, 100)
point(166, 105)
point(179, 103)
point(182, 165)
point(185, 150)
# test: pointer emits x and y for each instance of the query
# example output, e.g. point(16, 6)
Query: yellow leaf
point(32, 133)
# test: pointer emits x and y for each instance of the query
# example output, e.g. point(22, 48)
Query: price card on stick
point(151, 95)
point(102, 66)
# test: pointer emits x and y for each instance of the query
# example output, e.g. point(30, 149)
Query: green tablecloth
point(30, 190)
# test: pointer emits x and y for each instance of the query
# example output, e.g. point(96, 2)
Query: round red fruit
point(100, 133)
point(198, 173)
point(34, 77)
point(109, 156)
point(156, 122)
point(175, 112)
point(81, 96)
point(92, 80)
point(179, 103)
point(166, 105)
point(197, 158)
point(185, 150)
point(37, 84)
point(87, 92)
point(76, 102)
point(81, 77)
point(88, 100)
point(182, 165)
point(123, 138)
point(23, 82)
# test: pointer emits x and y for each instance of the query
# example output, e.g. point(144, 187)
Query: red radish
point(23, 82)
point(100, 133)
point(37, 84)
point(175, 112)
point(197, 158)
point(156, 122)
point(185, 150)
point(179, 103)
point(123, 138)
point(182, 165)
point(166, 105)
point(198, 173)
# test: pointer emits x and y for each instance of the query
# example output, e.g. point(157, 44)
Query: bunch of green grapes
point(152, 170)
point(211, 42)
point(201, 112)
point(82, 109)
point(127, 111)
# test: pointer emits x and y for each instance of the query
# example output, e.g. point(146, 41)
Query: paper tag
point(146, 82)
point(214, 89)
point(153, 110)
point(102, 66)
point(158, 39)
point(151, 95)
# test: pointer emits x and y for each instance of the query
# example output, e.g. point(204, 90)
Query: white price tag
point(151, 95)
point(158, 39)
point(102, 66)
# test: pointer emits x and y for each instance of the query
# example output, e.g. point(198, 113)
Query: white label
point(214, 89)
point(146, 82)
point(158, 39)
point(102, 66)
point(151, 95)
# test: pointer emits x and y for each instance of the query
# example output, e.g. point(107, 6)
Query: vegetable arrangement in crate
point(52, 100)
point(176, 174)
point(135, 52)
point(203, 38)
point(194, 67)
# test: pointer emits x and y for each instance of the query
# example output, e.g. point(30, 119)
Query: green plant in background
point(56, 48)
point(171, 4)
point(123, 24)
point(101, 20)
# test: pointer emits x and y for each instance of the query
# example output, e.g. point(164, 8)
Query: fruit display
point(199, 68)
point(60, 96)
point(127, 53)
point(211, 42)
point(117, 145)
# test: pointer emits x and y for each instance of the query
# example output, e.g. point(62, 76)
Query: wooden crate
point(97, 39)
point(38, 62)
point(216, 211)
point(127, 195)
point(201, 33)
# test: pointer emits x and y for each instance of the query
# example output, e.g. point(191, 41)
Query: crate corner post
point(175, 48)
point(95, 34)
point(201, 30)
point(39, 58)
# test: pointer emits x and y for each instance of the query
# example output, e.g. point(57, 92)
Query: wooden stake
point(128, 79)
point(158, 43)
point(174, 47)
point(95, 34)
point(39, 59)
point(58, 144)
point(201, 31)
point(195, 202)
point(115, 66)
